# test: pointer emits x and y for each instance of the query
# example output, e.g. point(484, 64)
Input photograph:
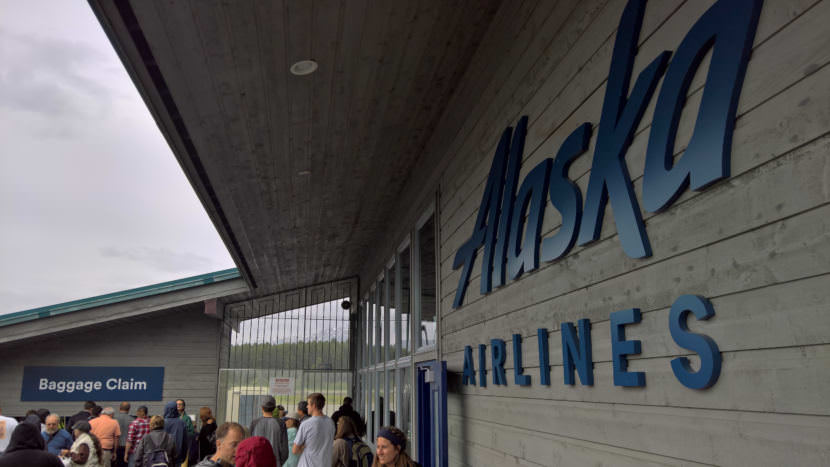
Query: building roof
point(117, 297)
point(301, 174)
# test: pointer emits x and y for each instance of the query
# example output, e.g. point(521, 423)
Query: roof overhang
point(299, 174)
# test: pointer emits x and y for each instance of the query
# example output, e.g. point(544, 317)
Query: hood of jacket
point(170, 410)
point(26, 436)
point(255, 451)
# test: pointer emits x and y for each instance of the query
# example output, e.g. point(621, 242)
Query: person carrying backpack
point(348, 449)
point(157, 448)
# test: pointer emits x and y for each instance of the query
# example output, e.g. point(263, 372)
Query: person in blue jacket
point(175, 427)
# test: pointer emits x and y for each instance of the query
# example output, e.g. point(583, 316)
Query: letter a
point(729, 29)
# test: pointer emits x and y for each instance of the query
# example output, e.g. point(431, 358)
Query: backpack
point(156, 457)
point(361, 453)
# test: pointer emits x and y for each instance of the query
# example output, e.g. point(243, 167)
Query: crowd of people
point(99, 437)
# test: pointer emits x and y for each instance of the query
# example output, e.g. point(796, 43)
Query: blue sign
point(100, 383)
point(508, 226)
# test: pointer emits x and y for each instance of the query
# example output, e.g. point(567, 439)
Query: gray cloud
point(163, 259)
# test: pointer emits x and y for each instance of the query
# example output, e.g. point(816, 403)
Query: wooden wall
point(184, 341)
point(757, 245)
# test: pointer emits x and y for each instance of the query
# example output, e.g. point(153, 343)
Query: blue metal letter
point(729, 28)
point(498, 354)
point(565, 195)
point(544, 356)
point(577, 349)
point(517, 147)
point(482, 366)
point(609, 174)
point(519, 377)
point(484, 231)
point(621, 347)
point(705, 346)
point(469, 376)
point(523, 254)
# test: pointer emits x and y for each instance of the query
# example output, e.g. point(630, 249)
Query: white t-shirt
point(7, 425)
point(317, 435)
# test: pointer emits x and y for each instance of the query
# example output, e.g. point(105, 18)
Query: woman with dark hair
point(347, 445)
point(207, 434)
point(391, 449)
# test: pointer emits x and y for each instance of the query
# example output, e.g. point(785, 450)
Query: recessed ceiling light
point(303, 67)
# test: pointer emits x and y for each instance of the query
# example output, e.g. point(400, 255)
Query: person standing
point(207, 434)
point(124, 419)
point(348, 447)
point(175, 427)
point(272, 429)
point(228, 437)
point(56, 438)
point(188, 423)
point(135, 432)
point(314, 437)
point(255, 452)
point(108, 432)
point(157, 445)
point(391, 449)
point(291, 425)
point(7, 426)
point(82, 416)
point(86, 450)
point(26, 447)
point(348, 410)
point(302, 411)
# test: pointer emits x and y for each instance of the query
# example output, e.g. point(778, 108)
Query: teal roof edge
point(116, 297)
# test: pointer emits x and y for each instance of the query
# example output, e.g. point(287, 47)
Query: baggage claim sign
point(728, 30)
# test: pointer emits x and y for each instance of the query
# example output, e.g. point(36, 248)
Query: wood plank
point(477, 443)
point(719, 437)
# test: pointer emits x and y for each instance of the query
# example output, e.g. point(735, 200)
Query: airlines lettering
point(578, 361)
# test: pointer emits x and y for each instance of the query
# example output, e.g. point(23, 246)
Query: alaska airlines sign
point(728, 29)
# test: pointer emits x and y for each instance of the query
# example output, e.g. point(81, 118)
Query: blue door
point(432, 414)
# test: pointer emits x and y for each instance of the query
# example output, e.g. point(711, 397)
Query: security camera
point(345, 304)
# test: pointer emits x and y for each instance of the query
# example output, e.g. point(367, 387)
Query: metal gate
point(288, 345)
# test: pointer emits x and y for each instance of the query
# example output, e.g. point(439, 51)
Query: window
point(403, 296)
point(427, 282)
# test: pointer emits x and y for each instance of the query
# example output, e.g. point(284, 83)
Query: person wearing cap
point(271, 428)
point(86, 450)
point(137, 430)
point(291, 425)
point(83, 415)
point(108, 431)
point(391, 449)
point(27, 447)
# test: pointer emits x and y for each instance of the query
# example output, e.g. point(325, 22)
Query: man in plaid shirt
point(138, 428)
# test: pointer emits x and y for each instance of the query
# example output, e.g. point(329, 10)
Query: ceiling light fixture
point(303, 67)
point(304, 172)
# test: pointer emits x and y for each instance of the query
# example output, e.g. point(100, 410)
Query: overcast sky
point(92, 200)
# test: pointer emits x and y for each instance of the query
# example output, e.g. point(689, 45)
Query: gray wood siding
point(185, 342)
point(757, 245)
